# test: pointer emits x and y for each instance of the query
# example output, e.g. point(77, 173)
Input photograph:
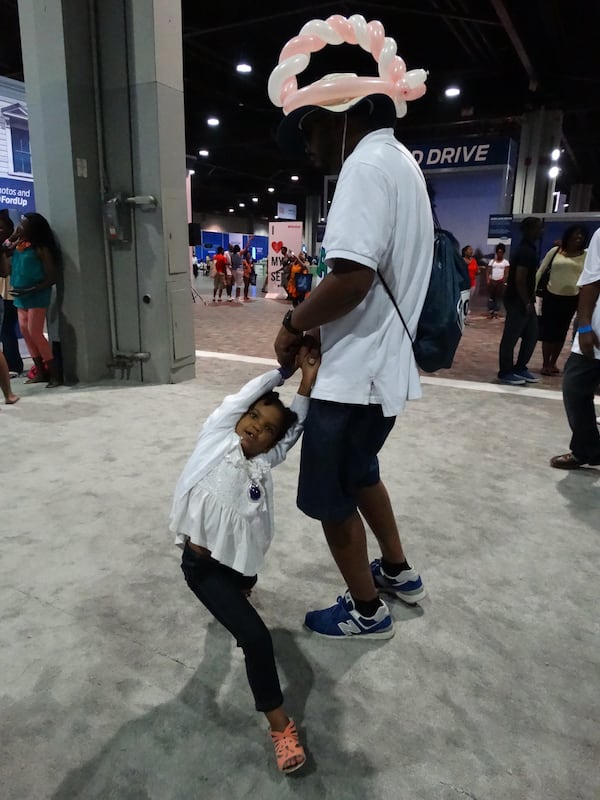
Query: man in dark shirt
point(519, 300)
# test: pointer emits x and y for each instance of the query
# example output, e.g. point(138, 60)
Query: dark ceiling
point(508, 56)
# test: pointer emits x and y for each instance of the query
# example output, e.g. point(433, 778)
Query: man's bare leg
point(347, 541)
point(375, 506)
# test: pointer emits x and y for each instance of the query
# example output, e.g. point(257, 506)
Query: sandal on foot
point(287, 747)
point(566, 461)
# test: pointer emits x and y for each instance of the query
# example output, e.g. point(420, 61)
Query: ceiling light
point(244, 68)
point(203, 153)
point(276, 217)
point(255, 199)
point(452, 91)
point(191, 171)
point(270, 189)
point(212, 121)
point(555, 154)
point(295, 178)
point(553, 172)
point(322, 219)
point(242, 205)
point(231, 210)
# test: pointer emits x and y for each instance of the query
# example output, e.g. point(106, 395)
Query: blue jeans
point(580, 380)
point(220, 589)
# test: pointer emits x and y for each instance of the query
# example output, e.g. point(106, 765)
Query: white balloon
point(291, 66)
point(415, 77)
point(318, 27)
point(386, 57)
point(361, 29)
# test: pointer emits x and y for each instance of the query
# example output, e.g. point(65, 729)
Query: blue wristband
point(285, 372)
point(585, 329)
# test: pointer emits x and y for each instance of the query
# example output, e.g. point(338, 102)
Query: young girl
point(223, 519)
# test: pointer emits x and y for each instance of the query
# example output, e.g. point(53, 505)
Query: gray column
point(105, 93)
point(541, 132)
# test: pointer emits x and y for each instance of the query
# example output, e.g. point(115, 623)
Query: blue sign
point(462, 153)
point(499, 226)
point(17, 195)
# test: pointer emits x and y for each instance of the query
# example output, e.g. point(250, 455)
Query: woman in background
point(497, 275)
point(32, 268)
point(560, 297)
point(473, 267)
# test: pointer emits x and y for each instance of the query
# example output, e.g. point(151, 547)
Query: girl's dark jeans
point(220, 589)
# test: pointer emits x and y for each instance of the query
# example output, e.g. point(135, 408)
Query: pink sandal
point(287, 747)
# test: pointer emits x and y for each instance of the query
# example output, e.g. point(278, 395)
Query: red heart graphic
point(277, 246)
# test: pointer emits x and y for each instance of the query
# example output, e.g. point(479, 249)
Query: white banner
point(281, 234)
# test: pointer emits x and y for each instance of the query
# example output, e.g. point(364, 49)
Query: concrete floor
point(115, 683)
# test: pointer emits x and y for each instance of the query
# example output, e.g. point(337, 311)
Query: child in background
point(223, 519)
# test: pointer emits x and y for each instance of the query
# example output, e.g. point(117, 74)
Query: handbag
point(303, 282)
point(542, 284)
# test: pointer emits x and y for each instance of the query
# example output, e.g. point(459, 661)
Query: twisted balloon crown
point(340, 91)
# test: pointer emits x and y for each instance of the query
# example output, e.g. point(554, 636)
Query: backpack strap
point(393, 299)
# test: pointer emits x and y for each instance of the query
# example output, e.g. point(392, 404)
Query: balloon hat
point(342, 91)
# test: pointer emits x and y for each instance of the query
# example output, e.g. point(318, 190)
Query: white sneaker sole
point(409, 599)
point(388, 633)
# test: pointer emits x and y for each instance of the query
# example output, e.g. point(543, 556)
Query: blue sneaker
point(407, 586)
point(511, 378)
point(343, 621)
point(527, 376)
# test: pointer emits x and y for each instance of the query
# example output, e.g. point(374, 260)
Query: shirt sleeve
point(360, 231)
point(278, 453)
point(234, 405)
point(591, 266)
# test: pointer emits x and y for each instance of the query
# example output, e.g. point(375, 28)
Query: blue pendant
point(254, 492)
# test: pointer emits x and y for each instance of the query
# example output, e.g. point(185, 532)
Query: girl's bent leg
point(36, 321)
point(220, 590)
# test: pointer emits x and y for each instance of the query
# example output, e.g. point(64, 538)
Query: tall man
point(380, 221)
point(582, 370)
point(519, 301)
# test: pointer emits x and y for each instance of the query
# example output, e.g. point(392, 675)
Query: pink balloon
point(343, 27)
point(376, 36)
point(398, 70)
point(288, 88)
point(301, 44)
point(336, 91)
point(295, 56)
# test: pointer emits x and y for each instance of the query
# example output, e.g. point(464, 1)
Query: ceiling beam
point(516, 42)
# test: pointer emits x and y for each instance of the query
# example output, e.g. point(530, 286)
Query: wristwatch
point(287, 324)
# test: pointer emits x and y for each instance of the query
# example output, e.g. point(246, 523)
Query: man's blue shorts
point(339, 456)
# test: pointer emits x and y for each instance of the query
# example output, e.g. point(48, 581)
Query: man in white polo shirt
point(380, 220)
point(582, 370)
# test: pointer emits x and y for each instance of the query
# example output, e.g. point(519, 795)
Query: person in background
point(497, 276)
point(582, 370)
point(8, 319)
point(248, 269)
point(33, 269)
point(10, 398)
point(299, 267)
point(559, 299)
point(219, 279)
point(473, 267)
point(519, 300)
